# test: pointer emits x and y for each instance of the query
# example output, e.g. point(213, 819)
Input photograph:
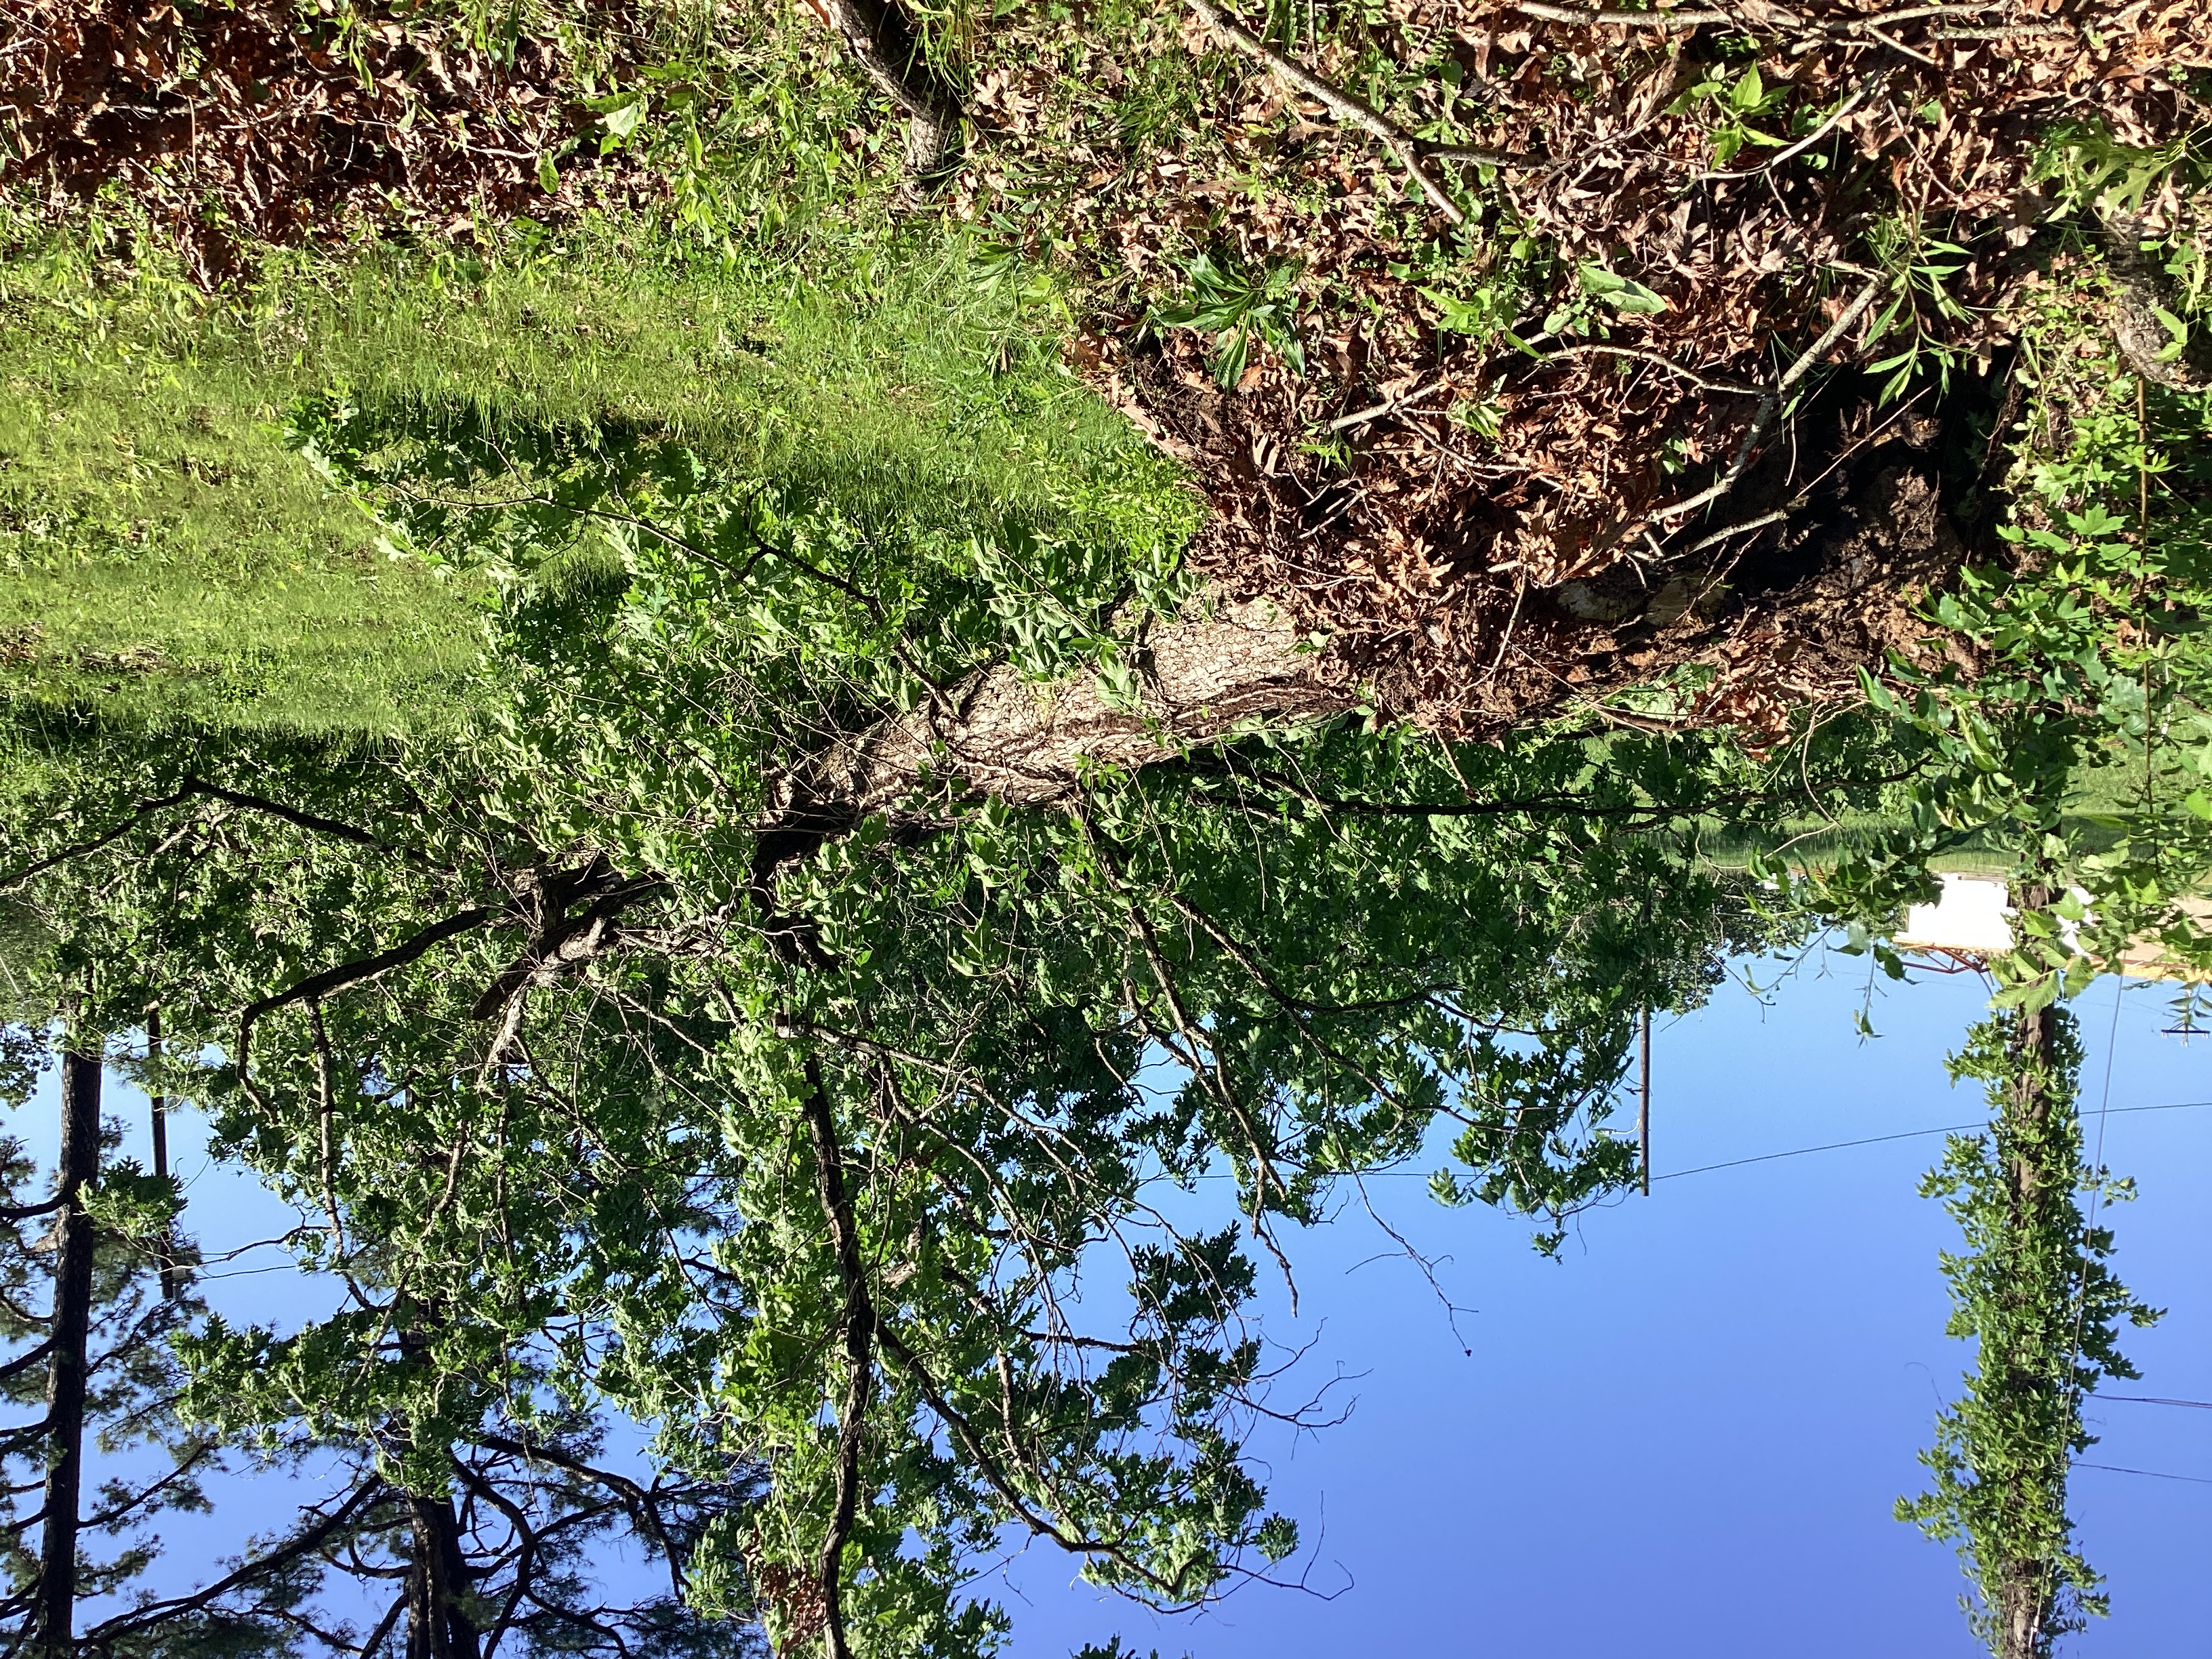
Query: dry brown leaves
point(1445, 562)
point(253, 122)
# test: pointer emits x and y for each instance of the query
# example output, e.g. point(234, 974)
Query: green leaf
point(2177, 328)
point(1619, 292)
point(621, 120)
point(1458, 316)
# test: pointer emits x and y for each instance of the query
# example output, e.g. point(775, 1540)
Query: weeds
point(1235, 306)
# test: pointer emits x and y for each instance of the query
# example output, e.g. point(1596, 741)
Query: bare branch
point(347, 975)
point(1411, 152)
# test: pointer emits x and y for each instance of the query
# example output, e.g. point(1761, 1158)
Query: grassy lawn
point(166, 557)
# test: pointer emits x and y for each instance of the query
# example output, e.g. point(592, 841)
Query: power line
point(1799, 1151)
point(1831, 1146)
point(2155, 1474)
point(1904, 1134)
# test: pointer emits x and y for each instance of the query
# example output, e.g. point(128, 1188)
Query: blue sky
point(1685, 1438)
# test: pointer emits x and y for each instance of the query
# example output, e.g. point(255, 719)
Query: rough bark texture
point(1027, 743)
point(859, 1326)
point(883, 44)
point(2139, 292)
point(65, 1376)
point(438, 1624)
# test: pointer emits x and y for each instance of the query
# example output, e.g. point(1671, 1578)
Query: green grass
point(166, 557)
point(162, 555)
point(2100, 790)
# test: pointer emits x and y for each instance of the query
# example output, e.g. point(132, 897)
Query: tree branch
point(859, 1326)
point(347, 975)
point(1410, 152)
point(199, 788)
point(302, 1543)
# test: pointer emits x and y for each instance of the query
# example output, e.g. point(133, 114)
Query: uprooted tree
point(776, 1018)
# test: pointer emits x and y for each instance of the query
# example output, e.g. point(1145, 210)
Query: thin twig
point(1341, 105)
point(1391, 406)
point(1729, 387)
point(1770, 407)
point(2010, 32)
point(1577, 15)
point(1896, 45)
point(1720, 536)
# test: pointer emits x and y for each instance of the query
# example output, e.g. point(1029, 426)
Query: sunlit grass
point(165, 556)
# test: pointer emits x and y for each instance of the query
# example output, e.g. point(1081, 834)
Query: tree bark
point(2140, 291)
point(65, 1375)
point(859, 1326)
point(158, 1109)
point(2024, 1583)
point(1028, 744)
point(883, 44)
point(438, 1622)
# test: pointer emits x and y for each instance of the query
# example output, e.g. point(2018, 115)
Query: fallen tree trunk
point(1004, 735)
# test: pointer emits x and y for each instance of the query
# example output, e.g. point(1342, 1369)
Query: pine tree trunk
point(438, 1623)
point(65, 1376)
point(158, 1106)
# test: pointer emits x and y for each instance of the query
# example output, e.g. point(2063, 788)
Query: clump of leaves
point(1737, 104)
point(1922, 307)
point(1235, 304)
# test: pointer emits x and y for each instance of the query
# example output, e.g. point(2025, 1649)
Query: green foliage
point(1236, 306)
point(1736, 101)
point(1619, 292)
point(568, 1155)
point(2094, 682)
point(1919, 267)
point(2089, 687)
point(2091, 167)
point(2032, 1291)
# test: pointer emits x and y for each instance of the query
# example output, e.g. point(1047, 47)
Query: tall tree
point(68, 1356)
point(95, 1360)
point(807, 979)
point(2035, 1292)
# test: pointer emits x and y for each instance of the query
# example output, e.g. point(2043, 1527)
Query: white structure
point(1972, 921)
point(1974, 917)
